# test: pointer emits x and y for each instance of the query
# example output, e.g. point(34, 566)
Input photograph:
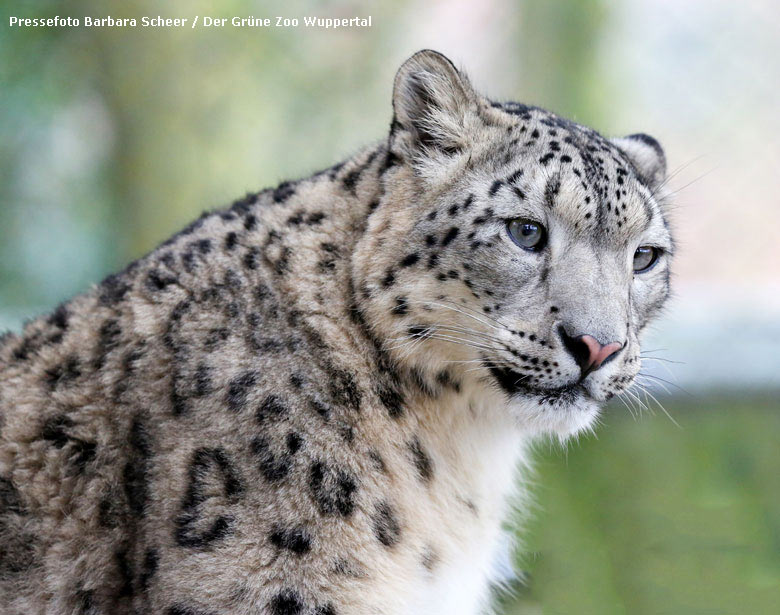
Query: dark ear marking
point(646, 156)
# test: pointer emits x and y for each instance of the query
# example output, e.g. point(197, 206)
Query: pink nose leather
point(598, 353)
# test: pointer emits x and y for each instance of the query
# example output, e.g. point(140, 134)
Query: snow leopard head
point(514, 249)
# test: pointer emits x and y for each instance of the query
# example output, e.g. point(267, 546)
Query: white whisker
point(658, 403)
point(455, 309)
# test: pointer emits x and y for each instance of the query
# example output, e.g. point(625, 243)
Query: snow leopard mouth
point(515, 383)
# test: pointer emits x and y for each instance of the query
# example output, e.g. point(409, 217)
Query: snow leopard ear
point(431, 103)
point(647, 156)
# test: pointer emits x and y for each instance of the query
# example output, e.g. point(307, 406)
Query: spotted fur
point(314, 401)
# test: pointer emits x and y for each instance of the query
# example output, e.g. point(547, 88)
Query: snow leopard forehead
point(576, 172)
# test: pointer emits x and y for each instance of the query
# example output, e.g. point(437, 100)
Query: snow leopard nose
point(587, 351)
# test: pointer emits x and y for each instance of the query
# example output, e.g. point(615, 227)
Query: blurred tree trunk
point(559, 50)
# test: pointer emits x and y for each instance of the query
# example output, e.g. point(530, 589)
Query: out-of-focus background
point(111, 139)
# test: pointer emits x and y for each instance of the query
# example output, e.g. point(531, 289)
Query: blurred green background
point(111, 139)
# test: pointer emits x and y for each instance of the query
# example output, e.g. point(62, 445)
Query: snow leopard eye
point(527, 234)
point(644, 258)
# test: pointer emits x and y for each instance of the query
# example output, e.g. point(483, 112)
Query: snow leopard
point(320, 399)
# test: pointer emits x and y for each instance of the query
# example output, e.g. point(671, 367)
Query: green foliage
point(560, 56)
point(650, 518)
